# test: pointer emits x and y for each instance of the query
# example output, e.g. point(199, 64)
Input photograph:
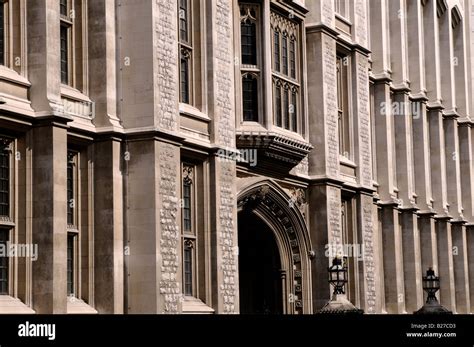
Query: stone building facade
point(191, 156)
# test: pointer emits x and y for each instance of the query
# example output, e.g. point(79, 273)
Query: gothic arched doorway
point(274, 251)
point(260, 272)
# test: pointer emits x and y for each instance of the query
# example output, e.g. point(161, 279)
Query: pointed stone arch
point(268, 201)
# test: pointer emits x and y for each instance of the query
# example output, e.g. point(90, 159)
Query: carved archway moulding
point(266, 200)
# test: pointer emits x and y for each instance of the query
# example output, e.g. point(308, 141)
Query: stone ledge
point(78, 306)
point(195, 306)
point(10, 305)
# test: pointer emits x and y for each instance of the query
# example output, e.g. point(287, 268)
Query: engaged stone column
point(49, 218)
point(411, 260)
point(461, 269)
point(150, 92)
point(370, 286)
point(325, 201)
point(108, 227)
point(429, 243)
point(470, 258)
point(393, 260)
point(445, 263)
point(324, 193)
point(224, 245)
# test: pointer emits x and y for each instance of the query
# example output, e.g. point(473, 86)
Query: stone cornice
point(322, 28)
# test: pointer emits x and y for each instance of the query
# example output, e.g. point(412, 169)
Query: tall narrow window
point(64, 55)
point(73, 225)
point(278, 115)
point(189, 230)
point(2, 34)
point(343, 106)
point(294, 111)
point(249, 42)
point(184, 20)
point(188, 268)
point(250, 67)
point(351, 248)
point(4, 180)
point(286, 109)
point(292, 58)
point(70, 189)
point(185, 51)
point(276, 50)
point(284, 53)
point(184, 76)
point(65, 34)
point(341, 7)
point(250, 98)
point(63, 7)
point(4, 264)
point(187, 205)
point(70, 265)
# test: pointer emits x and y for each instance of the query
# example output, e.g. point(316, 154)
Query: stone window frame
point(7, 262)
point(199, 237)
point(4, 18)
point(7, 223)
point(342, 8)
point(15, 67)
point(249, 70)
point(192, 50)
point(290, 30)
point(9, 145)
point(71, 245)
point(349, 236)
point(344, 101)
point(75, 24)
point(73, 229)
point(189, 237)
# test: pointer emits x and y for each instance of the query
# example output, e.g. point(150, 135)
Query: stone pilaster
point(103, 63)
point(223, 172)
point(325, 201)
point(371, 283)
point(428, 240)
point(153, 227)
point(393, 260)
point(49, 216)
point(466, 156)
point(461, 269)
point(370, 288)
point(446, 263)
point(411, 260)
point(108, 227)
point(43, 56)
point(422, 163)
point(438, 162)
point(470, 259)
point(453, 169)
point(325, 192)
point(149, 87)
point(323, 123)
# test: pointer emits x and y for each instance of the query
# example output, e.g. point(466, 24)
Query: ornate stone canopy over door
point(267, 201)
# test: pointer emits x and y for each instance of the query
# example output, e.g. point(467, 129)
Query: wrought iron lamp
point(431, 285)
point(338, 275)
point(338, 279)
